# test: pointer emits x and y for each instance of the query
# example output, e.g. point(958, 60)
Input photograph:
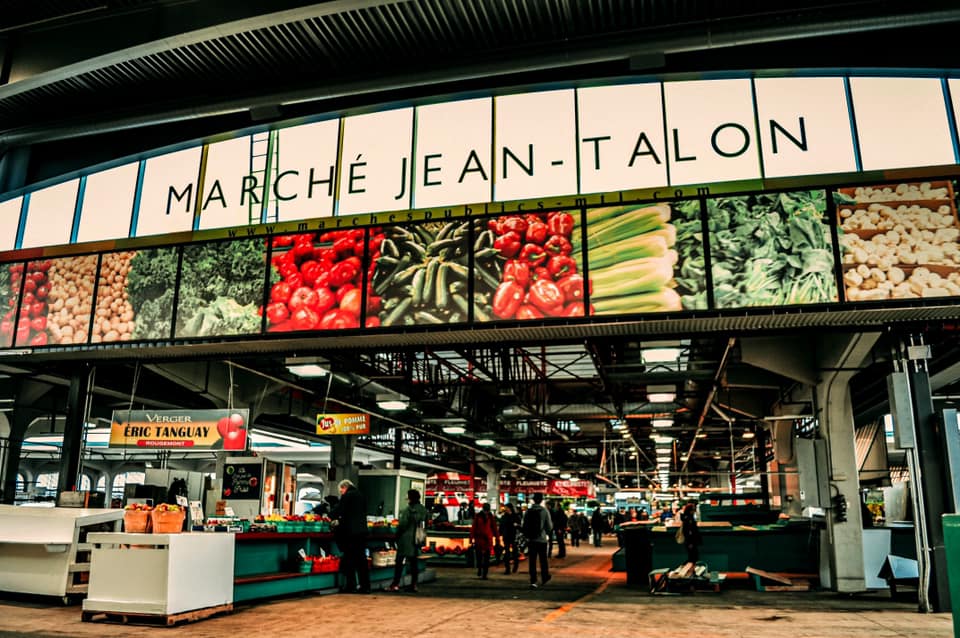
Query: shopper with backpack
point(538, 528)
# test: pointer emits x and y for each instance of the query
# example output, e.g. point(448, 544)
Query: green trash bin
point(951, 542)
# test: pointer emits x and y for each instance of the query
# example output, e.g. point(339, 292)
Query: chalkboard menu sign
point(242, 481)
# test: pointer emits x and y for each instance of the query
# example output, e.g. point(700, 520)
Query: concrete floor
point(583, 599)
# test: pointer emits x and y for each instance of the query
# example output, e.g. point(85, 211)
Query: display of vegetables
point(420, 275)
point(531, 265)
point(150, 285)
point(900, 250)
point(691, 272)
point(771, 249)
point(10, 277)
point(631, 257)
point(318, 280)
point(113, 318)
point(221, 288)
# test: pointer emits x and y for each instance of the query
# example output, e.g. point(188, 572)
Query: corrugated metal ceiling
point(339, 43)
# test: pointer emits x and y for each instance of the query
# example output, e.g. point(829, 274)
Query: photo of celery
point(633, 256)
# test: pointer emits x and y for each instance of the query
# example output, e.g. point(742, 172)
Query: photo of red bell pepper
point(533, 254)
point(508, 244)
point(507, 299)
point(536, 232)
point(571, 286)
point(558, 245)
point(546, 296)
point(560, 223)
point(561, 266)
point(518, 271)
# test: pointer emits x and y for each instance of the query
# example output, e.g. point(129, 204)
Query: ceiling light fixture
point(662, 423)
point(307, 370)
point(662, 438)
point(528, 460)
point(392, 402)
point(553, 470)
point(661, 393)
point(749, 434)
point(660, 355)
point(454, 429)
point(565, 476)
point(701, 435)
point(509, 451)
point(543, 466)
point(485, 442)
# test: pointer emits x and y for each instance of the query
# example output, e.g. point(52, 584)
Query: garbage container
point(951, 542)
point(638, 553)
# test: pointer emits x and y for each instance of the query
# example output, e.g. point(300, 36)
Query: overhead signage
point(507, 148)
point(180, 429)
point(573, 488)
point(453, 483)
point(329, 424)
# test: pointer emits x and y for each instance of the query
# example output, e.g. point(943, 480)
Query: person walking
point(482, 535)
point(691, 533)
point(509, 528)
point(598, 523)
point(559, 520)
point(412, 517)
point(538, 528)
point(574, 523)
point(351, 537)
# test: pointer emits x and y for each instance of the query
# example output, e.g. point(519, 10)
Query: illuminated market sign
point(343, 424)
point(180, 429)
point(472, 154)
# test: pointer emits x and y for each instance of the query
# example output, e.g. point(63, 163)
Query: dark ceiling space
point(87, 81)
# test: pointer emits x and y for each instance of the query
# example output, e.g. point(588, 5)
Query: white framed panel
point(901, 122)
point(107, 204)
point(169, 193)
point(453, 162)
point(711, 131)
point(804, 126)
point(535, 145)
point(10, 222)
point(307, 173)
point(621, 137)
point(375, 162)
point(50, 215)
point(224, 202)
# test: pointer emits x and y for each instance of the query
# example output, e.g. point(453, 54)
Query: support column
point(929, 469)
point(842, 356)
point(341, 463)
point(73, 430)
point(493, 483)
point(18, 431)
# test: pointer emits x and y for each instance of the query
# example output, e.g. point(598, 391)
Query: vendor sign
point(343, 424)
point(573, 489)
point(180, 429)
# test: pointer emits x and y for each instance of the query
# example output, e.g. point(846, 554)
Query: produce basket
point(167, 522)
point(384, 559)
point(136, 521)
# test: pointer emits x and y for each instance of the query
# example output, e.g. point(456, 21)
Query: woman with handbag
point(412, 519)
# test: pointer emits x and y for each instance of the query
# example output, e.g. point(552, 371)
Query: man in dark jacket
point(598, 523)
point(559, 519)
point(351, 536)
point(537, 536)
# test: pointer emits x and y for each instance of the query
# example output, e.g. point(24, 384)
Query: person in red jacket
point(482, 535)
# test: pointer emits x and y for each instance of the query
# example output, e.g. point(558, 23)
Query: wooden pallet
point(154, 620)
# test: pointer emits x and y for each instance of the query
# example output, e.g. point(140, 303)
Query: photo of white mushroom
point(899, 241)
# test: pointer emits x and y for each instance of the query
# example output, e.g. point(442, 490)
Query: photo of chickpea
point(57, 301)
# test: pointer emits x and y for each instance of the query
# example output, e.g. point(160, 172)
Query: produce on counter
point(771, 249)
point(221, 288)
point(420, 275)
point(531, 265)
point(317, 281)
point(902, 250)
point(630, 251)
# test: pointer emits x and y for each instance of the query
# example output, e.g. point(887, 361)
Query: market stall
point(160, 575)
point(46, 551)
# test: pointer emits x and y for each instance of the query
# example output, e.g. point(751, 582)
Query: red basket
point(136, 521)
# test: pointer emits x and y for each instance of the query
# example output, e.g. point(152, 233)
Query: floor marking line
point(563, 609)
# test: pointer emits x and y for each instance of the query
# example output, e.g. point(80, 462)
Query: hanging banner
point(180, 429)
point(549, 487)
point(242, 481)
point(444, 482)
point(343, 424)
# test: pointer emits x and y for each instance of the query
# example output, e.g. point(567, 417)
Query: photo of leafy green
point(771, 249)
point(691, 272)
point(221, 288)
